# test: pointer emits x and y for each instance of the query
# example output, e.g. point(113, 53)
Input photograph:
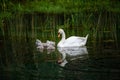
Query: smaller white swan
point(50, 43)
point(39, 44)
point(73, 41)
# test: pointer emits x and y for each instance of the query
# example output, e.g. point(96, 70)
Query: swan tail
point(86, 39)
point(87, 36)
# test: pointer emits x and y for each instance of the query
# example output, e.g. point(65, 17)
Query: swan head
point(60, 31)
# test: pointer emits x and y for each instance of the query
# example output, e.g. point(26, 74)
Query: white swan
point(73, 41)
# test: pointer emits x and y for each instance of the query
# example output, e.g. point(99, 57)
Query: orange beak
point(58, 35)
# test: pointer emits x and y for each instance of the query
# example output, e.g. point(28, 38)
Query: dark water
point(24, 62)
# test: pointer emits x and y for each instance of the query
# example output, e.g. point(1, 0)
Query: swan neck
point(63, 35)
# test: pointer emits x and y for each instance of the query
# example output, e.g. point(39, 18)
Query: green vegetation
point(31, 19)
point(60, 6)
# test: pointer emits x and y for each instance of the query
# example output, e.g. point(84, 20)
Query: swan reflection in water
point(72, 53)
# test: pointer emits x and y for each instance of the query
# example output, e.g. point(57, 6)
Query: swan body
point(73, 41)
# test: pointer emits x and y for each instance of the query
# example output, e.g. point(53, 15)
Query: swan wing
point(74, 41)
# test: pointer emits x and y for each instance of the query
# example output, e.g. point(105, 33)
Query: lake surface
point(25, 62)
